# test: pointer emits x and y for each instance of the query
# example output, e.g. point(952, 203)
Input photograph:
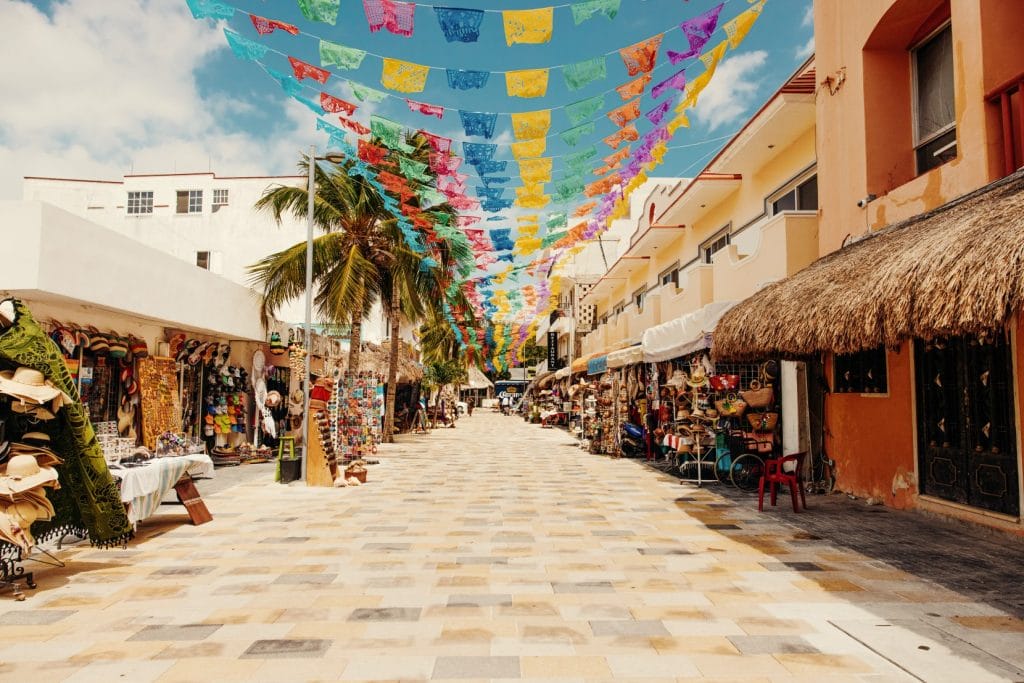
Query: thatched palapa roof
point(958, 269)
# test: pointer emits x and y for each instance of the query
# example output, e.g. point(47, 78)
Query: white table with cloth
point(143, 488)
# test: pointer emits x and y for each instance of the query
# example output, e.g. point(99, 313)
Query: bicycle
point(746, 469)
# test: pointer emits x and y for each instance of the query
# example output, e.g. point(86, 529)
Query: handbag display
point(731, 406)
point(724, 382)
point(763, 422)
point(758, 396)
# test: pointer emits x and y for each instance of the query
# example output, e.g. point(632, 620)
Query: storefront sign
point(553, 351)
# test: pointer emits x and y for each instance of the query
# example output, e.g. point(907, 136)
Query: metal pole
point(309, 310)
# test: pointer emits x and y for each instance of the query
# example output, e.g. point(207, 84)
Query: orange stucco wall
point(865, 145)
point(872, 440)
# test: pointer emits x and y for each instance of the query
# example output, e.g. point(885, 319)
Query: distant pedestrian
point(470, 402)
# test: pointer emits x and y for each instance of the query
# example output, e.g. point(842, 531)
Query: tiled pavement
point(498, 550)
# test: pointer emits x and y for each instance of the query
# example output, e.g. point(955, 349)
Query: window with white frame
point(140, 203)
point(190, 201)
point(220, 198)
point(713, 246)
point(934, 100)
point(801, 195)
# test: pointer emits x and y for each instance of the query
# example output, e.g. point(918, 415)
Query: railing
point(1009, 97)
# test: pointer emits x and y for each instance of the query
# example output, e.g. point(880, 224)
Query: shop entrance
point(966, 438)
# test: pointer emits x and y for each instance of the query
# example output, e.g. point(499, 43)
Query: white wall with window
point(216, 216)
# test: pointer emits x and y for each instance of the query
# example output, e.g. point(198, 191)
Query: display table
point(143, 488)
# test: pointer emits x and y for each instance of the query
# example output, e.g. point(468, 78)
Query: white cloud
point(808, 19)
point(805, 50)
point(106, 87)
point(732, 90)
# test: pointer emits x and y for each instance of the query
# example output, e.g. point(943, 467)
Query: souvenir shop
point(344, 428)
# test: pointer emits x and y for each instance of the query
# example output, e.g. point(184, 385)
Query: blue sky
point(140, 85)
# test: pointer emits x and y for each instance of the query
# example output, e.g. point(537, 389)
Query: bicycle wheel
point(746, 472)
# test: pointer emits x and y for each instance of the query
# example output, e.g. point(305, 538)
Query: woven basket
point(360, 475)
point(758, 396)
point(763, 422)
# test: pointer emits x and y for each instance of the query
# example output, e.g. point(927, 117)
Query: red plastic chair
point(774, 474)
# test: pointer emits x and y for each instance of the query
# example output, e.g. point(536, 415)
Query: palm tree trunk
point(355, 339)
point(389, 403)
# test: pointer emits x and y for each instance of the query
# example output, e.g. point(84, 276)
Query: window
point(140, 203)
point(220, 198)
point(638, 298)
point(619, 308)
point(670, 276)
point(203, 259)
point(934, 109)
point(801, 197)
point(863, 372)
point(190, 201)
point(713, 246)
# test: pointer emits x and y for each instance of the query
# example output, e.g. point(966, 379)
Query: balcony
point(1009, 97)
point(595, 341)
point(696, 289)
point(617, 329)
point(641, 320)
point(776, 248)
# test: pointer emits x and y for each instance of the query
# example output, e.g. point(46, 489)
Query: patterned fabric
point(425, 109)
point(337, 135)
point(477, 152)
point(88, 497)
point(372, 154)
point(500, 239)
point(635, 87)
point(569, 187)
point(485, 192)
point(602, 186)
point(581, 11)
point(397, 17)
point(617, 156)
point(413, 170)
point(681, 120)
point(490, 166)
point(527, 245)
point(203, 9)
point(556, 220)
point(459, 25)
point(354, 126)
point(404, 76)
point(495, 180)
point(459, 79)
point(535, 170)
point(494, 206)
point(584, 110)
point(532, 197)
point(583, 73)
point(325, 11)
point(439, 143)
point(626, 113)
point(642, 56)
point(531, 124)
point(527, 83)
point(478, 123)
point(529, 148)
point(711, 58)
point(244, 48)
point(629, 133)
point(333, 105)
point(288, 83)
point(697, 30)
point(302, 70)
point(365, 93)
point(738, 28)
point(606, 169)
point(656, 115)
point(676, 81)
point(573, 136)
point(333, 54)
point(577, 161)
point(528, 26)
point(553, 237)
point(389, 132)
point(264, 26)
point(466, 221)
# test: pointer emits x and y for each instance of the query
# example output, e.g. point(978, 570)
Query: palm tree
point(355, 248)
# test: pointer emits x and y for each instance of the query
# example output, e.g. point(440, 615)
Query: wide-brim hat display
point(30, 385)
point(698, 377)
point(45, 457)
point(22, 472)
point(274, 399)
point(32, 410)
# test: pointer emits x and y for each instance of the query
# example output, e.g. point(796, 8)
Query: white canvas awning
point(563, 373)
point(563, 324)
point(689, 333)
point(627, 356)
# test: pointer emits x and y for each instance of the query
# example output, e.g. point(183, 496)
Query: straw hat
point(22, 473)
point(32, 410)
point(28, 384)
point(698, 376)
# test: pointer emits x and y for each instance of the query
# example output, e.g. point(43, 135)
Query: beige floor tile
point(564, 667)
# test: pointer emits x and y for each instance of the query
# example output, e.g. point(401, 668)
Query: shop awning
point(477, 379)
point(580, 364)
point(545, 380)
point(563, 373)
point(689, 333)
point(627, 356)
point(958, 269)
point(597, 365)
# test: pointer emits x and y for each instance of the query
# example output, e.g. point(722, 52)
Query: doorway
point(966, 434)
